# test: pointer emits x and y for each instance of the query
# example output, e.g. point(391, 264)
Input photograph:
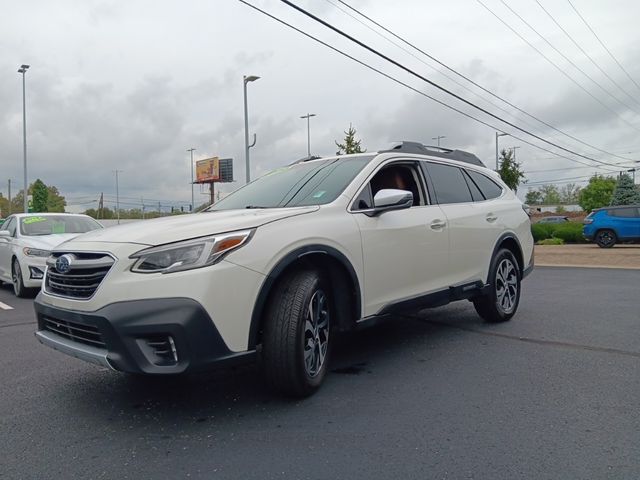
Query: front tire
point(296, 341)
point(606, 238)
point(18, 283)
point(501, 302)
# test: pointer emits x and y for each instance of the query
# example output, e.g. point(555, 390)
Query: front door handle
point(491, 217)
point(438, 224)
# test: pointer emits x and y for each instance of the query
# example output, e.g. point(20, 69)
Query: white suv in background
point(278, 267)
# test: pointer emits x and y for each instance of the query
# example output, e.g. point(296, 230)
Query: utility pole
point(497, 152)
point(101, 206)
point(513, 149)
point(142, 201)
point(159, 208)
point(246, 79)
point(308, 116)
point(191, 150)
point(438, 138)
point(9, 196)
point(117, 196)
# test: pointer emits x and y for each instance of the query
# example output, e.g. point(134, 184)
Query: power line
point(586, 54)
point(603, 45)
point(405, 84)
point(486, 90)
point(568, 59)
point(434, 84)
point(556, 66)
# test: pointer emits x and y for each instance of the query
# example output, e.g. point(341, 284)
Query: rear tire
point(296, 341)
point(606, 238)
point(501, 302)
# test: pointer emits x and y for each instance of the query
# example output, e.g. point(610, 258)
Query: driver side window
point(399, 176)
point(10, 226)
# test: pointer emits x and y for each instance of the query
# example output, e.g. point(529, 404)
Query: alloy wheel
point(506, 286)
point(316, 333)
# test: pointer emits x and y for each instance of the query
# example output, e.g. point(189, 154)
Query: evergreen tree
point(350, 145)
point(626, 193)
point(510, 170)
point(40, 196)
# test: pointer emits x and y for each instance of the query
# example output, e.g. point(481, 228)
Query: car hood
point(183, 227)
point(47, 242)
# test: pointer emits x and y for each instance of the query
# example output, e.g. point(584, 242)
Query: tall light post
point(438, 138)
point(23, 69)
point(117, 196)
point(513, 149)
point(193, 206)
point(308, 116)
point(497, 152)
point(246, 79)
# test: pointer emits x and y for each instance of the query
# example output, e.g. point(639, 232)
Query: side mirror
point(5, 234)
point(391, 199)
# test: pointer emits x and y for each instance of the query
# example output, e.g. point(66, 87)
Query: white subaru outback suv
point(277, 268)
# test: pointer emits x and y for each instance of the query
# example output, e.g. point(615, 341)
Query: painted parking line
point(4, 306)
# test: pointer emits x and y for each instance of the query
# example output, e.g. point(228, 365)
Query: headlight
point(190, 254)
point(35, 252)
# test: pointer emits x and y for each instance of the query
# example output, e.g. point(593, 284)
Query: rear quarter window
point(488, 187)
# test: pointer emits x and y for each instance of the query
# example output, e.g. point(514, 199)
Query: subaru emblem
point(63, 263)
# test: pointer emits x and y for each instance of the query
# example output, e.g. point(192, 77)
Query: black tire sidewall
point(487, 305)
point(18, 288)
point(609, 245)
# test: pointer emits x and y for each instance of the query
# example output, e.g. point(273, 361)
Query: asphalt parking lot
point(555, 393)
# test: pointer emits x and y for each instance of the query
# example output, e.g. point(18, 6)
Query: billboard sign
point(208, 170)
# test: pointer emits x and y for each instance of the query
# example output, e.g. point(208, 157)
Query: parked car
point(26, 241)
point(286, 262)
point(608, 225)
point(553, 219)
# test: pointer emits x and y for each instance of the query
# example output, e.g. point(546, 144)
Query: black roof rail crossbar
point(415, 147)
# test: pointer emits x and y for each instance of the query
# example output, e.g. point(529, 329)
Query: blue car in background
point(609, 225)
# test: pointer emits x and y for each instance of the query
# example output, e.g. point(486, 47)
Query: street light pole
point(438, 138)
point(193, 206)
point(514, 152)
point(23, 69)
point(246, 79)
point(497, 152)
point(308, 116)
point(117, 196)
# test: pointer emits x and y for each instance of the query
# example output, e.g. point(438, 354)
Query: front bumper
point(127, 336)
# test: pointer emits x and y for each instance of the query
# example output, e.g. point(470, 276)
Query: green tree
point(550, 195)
point(4, 206)
point(533, 197)
point(569, 194)
point(626, 193)
point(55, 201)
point(598, 193)
point(350, 145)
point(510, 170)
point(40, 196)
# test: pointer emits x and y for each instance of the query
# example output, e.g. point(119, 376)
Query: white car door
point(6, 245)
point(405, 252)
point(469, 224)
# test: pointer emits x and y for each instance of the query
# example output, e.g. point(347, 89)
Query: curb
point(565, 265)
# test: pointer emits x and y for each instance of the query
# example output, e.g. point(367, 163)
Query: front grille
point(81, 278)
point(77, 332)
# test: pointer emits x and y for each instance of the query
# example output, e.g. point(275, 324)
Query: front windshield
point(316, 182)
point(53, 224)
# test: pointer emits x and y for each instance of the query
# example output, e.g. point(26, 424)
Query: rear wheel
point(501, 301)
point(296, 341)
point(606, 238)
point(16, 276)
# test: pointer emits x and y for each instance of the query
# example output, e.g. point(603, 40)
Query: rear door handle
point(438, 224)
point(491, 217)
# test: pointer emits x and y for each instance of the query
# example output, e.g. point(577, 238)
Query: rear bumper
point(124, 336)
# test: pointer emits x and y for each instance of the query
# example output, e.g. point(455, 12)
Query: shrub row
point(569, 232)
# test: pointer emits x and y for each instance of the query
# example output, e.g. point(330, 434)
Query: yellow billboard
point(208, 170)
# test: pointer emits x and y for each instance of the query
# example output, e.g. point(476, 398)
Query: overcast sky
point(131, 85)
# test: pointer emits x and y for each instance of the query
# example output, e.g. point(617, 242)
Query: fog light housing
point(160, 350)
point(35, 273)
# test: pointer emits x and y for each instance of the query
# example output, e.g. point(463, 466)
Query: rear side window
point(475, 191)
point(449, 183)
point(624, 212)
point(488, 187)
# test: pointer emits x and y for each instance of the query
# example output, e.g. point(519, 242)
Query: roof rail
point(419, 148)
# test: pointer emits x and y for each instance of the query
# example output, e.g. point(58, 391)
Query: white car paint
point(396, 255)
point(13, 248)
